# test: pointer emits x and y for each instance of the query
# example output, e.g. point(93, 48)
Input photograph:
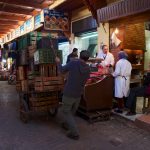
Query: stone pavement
point(43, 134)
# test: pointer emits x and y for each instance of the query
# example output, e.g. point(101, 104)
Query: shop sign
point(54, 20)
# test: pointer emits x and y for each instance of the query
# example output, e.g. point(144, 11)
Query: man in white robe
point(122, 75)
point(106, 56)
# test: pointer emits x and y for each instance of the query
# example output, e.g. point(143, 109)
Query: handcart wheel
point(53, 112)
point(24, 111)
point(23, 117)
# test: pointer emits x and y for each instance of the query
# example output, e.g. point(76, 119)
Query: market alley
point(41, 133)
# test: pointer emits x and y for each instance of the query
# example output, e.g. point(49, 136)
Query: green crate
point(44, 56)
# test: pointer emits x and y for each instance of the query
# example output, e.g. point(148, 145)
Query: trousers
point(134, 93)
point(69, 108)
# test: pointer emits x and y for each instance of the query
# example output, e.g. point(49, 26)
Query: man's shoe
point(130, 113)
point(118, 111)
point(73, 136)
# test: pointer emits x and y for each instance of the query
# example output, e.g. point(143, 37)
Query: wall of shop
point(103, 35)
point(134, 37)
point(78, 14)
point(147, 54)
point(131, 35)
point(81, 44)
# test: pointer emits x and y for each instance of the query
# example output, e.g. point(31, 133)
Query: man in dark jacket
point(78, 74)
point(74, 54)
point(137, 92)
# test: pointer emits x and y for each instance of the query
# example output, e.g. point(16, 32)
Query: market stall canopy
point(92, 5)
point(69, 5)
point(122, 9)
point(14, 12)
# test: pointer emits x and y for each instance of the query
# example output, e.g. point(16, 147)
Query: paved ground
point(43, 134)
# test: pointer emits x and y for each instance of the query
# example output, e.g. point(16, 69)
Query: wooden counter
point(98, 96)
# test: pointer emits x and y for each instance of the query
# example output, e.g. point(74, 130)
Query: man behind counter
point(74, 54)
point(79, 72)
point(108, 58)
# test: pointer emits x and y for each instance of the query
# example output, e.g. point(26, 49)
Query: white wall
point(147, 54)
point(81, 44)
point(103, 34)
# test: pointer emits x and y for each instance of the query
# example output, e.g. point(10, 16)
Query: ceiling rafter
point(8, 22)
point(4, 16)
point(28, 4)
point(13, 13)
point(93, 5)
point(15, 10)
point(4, 32)
point(8, 26)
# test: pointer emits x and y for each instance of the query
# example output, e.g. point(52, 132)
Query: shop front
point(129, 30)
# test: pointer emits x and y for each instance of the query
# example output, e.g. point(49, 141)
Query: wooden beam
point(15, 10)
point(3, 32)
point(7, 22)
point(12, 17)
point(8, 26)
point(28, 4)
point(5, 29)
point(22, 3)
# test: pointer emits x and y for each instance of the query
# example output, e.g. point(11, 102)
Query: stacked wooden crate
point(49, 83)
point(39, 80)
point(31, 50)
point(44, 56)
point(43, 101)
point(22, 82)
point(48, 70)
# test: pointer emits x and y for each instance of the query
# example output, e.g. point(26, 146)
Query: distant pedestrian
point(78, 73)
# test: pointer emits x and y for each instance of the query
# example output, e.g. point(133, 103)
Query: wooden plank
point(12, 17)
point(15, 10)
point(7, 22)
point(3, 26)
point(27, 3)
point(3, 32)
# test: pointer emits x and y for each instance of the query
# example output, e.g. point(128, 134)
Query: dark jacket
point(78, 73)
point(70, 56)
point(146, 81)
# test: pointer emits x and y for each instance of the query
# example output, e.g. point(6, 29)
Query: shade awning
point(122, 9)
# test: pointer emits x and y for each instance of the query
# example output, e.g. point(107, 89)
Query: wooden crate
point(47, 70)
point(43, 101)
point(44, 108)
point(49, 83)
point(18, 86)
point(24, 85)
point(31, 50)
point(22, 73)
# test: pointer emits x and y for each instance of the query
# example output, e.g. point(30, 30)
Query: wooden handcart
point(44, 98)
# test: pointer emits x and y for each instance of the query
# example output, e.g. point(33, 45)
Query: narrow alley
point(41, 133)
